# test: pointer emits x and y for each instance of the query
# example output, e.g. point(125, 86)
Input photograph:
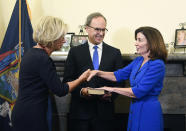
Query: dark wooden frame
point(177, 33)
point(78, 40)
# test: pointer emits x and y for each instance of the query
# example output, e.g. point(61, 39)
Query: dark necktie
point(95, 58)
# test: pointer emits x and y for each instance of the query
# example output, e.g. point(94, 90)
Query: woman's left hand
point(110, 89)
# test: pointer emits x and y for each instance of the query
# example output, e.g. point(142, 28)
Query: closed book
point(93, 91)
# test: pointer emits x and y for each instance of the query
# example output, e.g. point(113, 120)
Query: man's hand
point(84, 92)
point(107, 96)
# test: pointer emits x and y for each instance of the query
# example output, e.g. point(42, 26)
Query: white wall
point(123, 16)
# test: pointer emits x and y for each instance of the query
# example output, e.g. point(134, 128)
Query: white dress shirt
point(99, 49)
point(91, 49)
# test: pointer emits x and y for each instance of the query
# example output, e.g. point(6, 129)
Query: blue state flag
point(9, 52)
point(9, 58)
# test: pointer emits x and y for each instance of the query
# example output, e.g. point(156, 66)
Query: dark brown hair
point(155, 42)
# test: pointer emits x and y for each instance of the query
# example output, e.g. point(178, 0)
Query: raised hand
point(92, 74)
point(85, 75)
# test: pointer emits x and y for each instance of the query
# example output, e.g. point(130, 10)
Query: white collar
point(100, 46)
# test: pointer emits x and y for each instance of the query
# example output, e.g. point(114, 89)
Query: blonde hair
point(48, 30)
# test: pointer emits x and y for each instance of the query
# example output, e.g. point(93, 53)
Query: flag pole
point(19, 34)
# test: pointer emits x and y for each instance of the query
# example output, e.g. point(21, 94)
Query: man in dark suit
point(90, 112)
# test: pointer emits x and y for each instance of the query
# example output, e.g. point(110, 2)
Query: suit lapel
point(87, 56)
point(103, 56)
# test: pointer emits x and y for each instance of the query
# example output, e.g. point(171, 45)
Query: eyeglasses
point(104, 30)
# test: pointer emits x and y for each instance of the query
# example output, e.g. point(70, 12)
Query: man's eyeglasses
point(104, 30)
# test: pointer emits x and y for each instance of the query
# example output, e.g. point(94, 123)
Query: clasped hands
point(89, 74)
